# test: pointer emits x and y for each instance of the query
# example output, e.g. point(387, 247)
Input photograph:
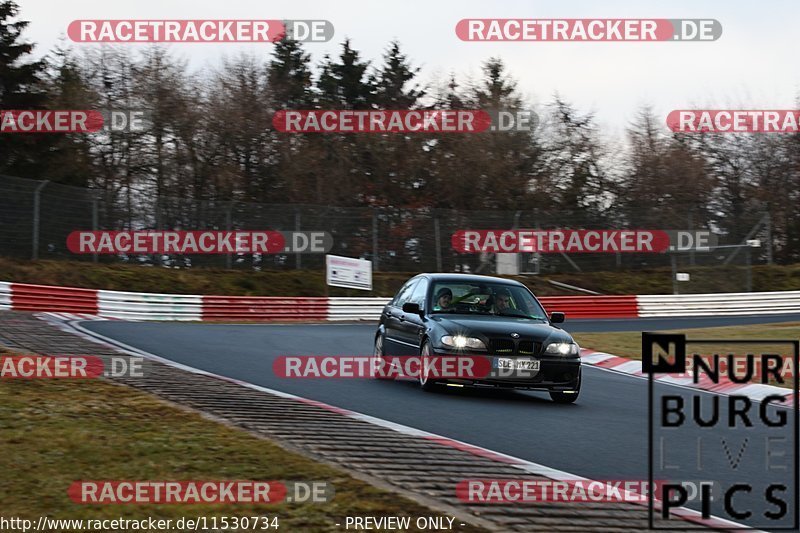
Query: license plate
point(506, 363)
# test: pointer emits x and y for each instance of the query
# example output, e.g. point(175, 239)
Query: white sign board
point(682, 276)
point(507, 264)
point(348, 272)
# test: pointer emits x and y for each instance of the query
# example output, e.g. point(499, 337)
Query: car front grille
point(501, 347)
point(527, 348)
point(510, 347)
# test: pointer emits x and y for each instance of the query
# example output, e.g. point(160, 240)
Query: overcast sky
point(753, 65)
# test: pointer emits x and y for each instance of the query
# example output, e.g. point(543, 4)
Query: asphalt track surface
point(603, 436)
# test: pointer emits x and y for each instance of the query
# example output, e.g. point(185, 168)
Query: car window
point(421, 290)
point(404, 294)
point(495, 299)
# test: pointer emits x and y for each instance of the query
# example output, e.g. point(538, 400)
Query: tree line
point(209, 140)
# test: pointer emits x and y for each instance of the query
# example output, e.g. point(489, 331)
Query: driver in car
point(502, 301)
point(444, 297)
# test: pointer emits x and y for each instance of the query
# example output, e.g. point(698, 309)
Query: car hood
point(493, 326)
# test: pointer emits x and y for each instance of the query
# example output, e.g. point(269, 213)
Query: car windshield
point(492, 299)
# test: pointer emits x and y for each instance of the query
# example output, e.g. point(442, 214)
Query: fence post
point(438, 238)
point(375, 252)
point(674, 263)
point(691, 228)
point(749, 267)
point(95, 223)
point(768, 224)
point(228, 222)
point(747, 237)
point(517, 256)
point(298, 262)
point(36, 208)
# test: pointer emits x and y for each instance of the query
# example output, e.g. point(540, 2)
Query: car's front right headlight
point(460, 341)
point(562, 348)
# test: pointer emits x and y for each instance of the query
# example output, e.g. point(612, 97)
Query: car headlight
point(460, 341)
point(562, 348)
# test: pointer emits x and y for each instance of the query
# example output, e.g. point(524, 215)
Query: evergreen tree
point(21, 87)
point(290, 86)
point(497, 90)
point(289, 76)
point(573, 161)
point(393, 80)
point(69, 159)
point(345, 83)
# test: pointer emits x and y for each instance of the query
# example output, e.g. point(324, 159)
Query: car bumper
point(555, 373)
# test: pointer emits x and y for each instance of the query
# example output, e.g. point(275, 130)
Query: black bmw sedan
point(499, 320)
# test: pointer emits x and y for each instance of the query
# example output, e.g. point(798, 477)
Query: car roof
point(468, 278)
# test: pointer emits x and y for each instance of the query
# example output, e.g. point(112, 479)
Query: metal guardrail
point(149, 306)
point(732, 303)
point(592, 306)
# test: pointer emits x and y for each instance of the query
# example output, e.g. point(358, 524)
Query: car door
point(412, 326)
point(394, 319)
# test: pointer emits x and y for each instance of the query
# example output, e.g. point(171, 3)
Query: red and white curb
point(66, 317)
point(623, 365)
point(516, 462)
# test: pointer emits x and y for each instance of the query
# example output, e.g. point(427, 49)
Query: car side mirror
point(412, 308)
point(557, 318)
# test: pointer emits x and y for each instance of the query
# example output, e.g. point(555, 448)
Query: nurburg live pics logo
point(733, 443)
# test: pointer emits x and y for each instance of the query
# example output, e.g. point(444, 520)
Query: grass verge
point(57, 431)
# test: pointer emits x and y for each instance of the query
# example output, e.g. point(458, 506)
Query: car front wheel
point(425, 381)
point(378, 362)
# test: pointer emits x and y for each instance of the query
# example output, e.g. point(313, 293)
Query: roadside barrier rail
point(149, 306)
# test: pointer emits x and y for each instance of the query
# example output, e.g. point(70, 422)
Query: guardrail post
point(36, 208)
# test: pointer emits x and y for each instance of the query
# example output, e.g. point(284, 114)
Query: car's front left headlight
point(460, 341)
point(562, 348)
